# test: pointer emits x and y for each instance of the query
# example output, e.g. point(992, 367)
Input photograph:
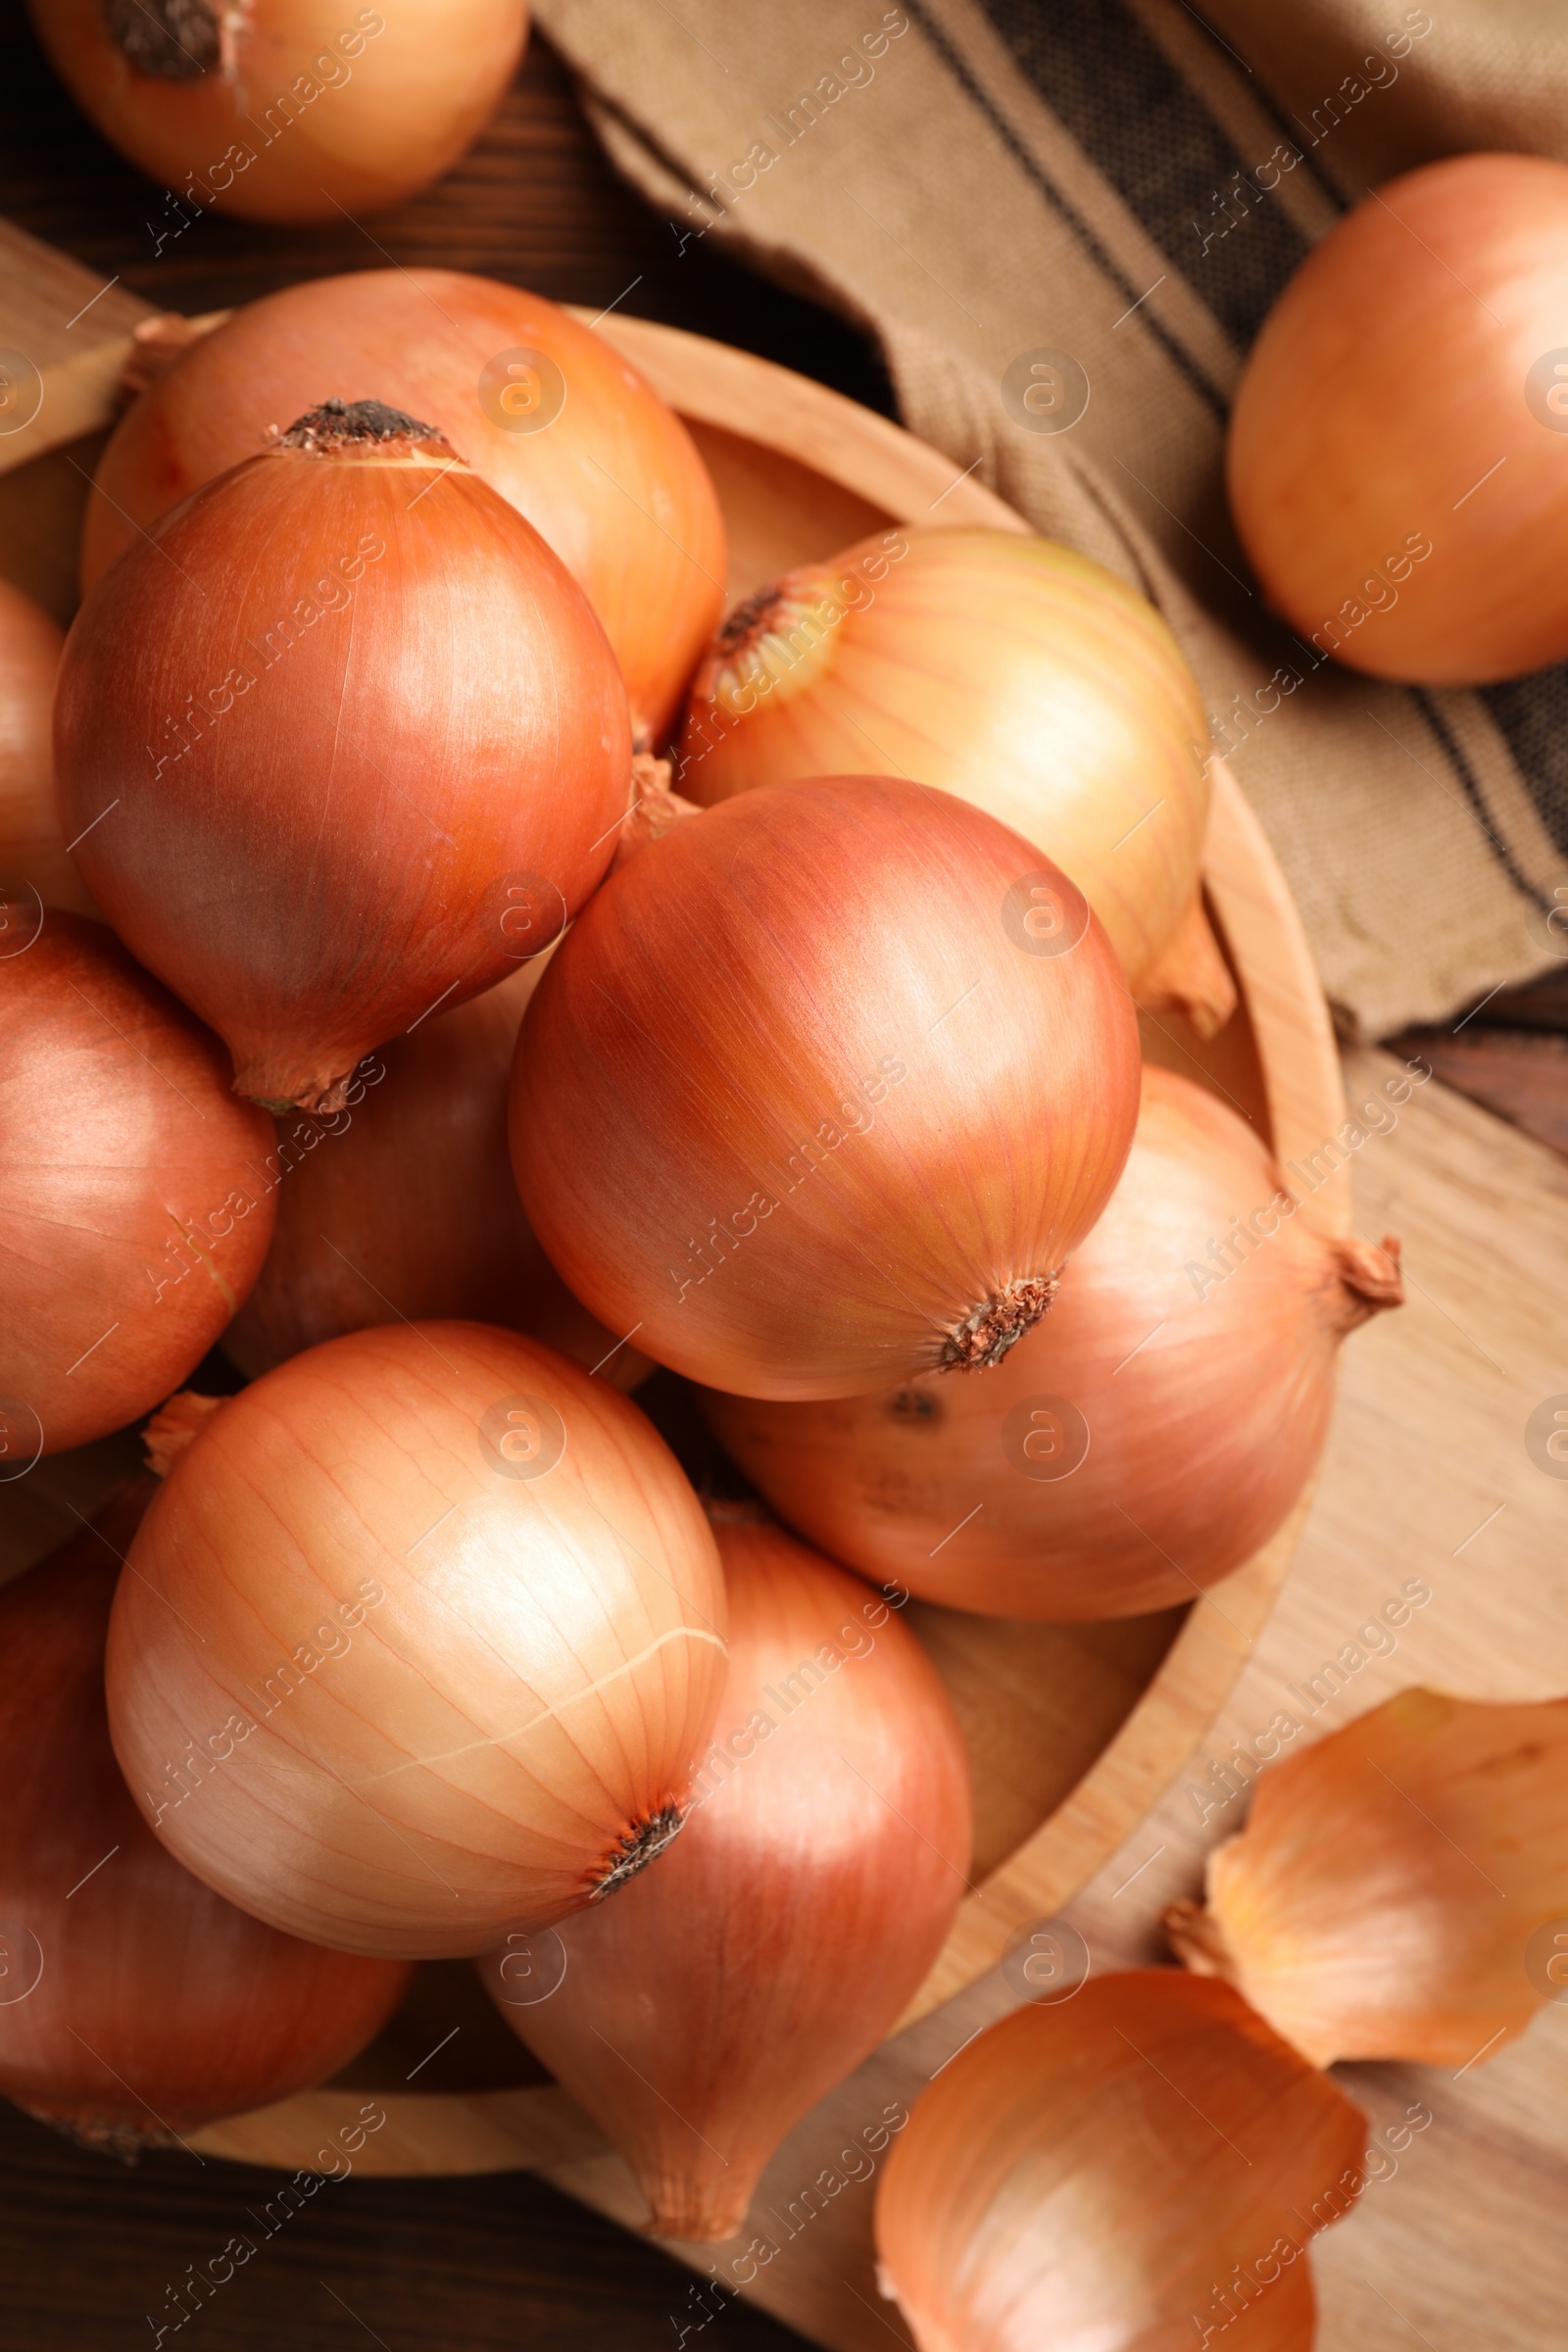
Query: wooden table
point(1466, 2247)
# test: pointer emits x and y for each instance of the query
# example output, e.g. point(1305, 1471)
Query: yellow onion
point(340, 739)
point(425, 1639)
point(1397, 463)
point(156, 2006)
point(32, 848)
point(1143, 1441)
point(1005, 668)
point(822, 1088)
point(1400, 1890)
point(1133, 2170)
point(284, 110)
point(401, 1205)
point(546, 411)
point(135, 1209)
point(706, 2009)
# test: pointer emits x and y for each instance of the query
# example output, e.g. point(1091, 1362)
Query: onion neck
point(167, 40)
point(636, 1848)
point(1369, 1281)
point(1190, 975)
point(776, 643)
point(364, 428)
point(979, 1342)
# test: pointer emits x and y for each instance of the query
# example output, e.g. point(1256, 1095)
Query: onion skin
point(447, 726)
point(1384, 1898)
point(614, 484)
point(401, 1207)
point(297, 115)
point(1238, 1384)
point(405, 1210)
point(775, 1946)
point(509, 1725)
point(160, 2006)
point(1007, 669)
point(135, 1209)
point(834, 970)
point(1103, 2174)
point(1394, 371)
point(32, 847)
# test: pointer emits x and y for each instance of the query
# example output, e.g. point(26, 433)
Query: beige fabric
point(973, 182)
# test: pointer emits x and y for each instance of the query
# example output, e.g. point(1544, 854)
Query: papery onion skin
point(134, 1209)
point(412, 733)
point(32, 847)
point(824, 995)
point(1004, 667)
point(401, 1205)
point(1397, 463)
point(1103, 2174)
point(1202, 1404)
point(710, 2004)
point(612, 481)
point(279, 109)
point(160, 2007)
point(515, 1719)
point(1388, 1892)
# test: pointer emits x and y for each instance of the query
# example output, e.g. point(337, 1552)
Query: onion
point(823, 1088)
point(1011, 671)
point(134, 2003)
point(1401, 1889)
point(1145, 1441)
point(338, 785)
point(33, 864)
point(1399, 446)
point(134, 1209)
point(284, 110)
point(1118, 2173)
point(709, 2007)
point(544, 411)
point(401, 1205)
point(424, 1639)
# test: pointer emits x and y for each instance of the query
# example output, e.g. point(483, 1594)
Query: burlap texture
point(978, 183)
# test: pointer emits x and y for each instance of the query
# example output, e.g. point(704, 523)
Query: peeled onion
point(339, 783)
point(134, 1209)
point(544, 411)
point(135, 2004)
point(1399, 444)
point(1118, 2173)
point(1007, 669)
point(284, 110)
point(822, 1088)
point(33, 864)
point(1145, 1441)
point(1400, 1890)
point(424, 1641)
point(713, 2003)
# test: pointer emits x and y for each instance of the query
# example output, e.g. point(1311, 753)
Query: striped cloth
point(1077, 212)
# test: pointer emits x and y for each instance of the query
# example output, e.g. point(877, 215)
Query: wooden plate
point(1074, 1731)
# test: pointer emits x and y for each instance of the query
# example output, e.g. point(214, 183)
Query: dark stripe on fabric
point(1289, 126)
point(1120, 97)
point(1531, 715)
point(1473, 793)
point(1199, 377)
